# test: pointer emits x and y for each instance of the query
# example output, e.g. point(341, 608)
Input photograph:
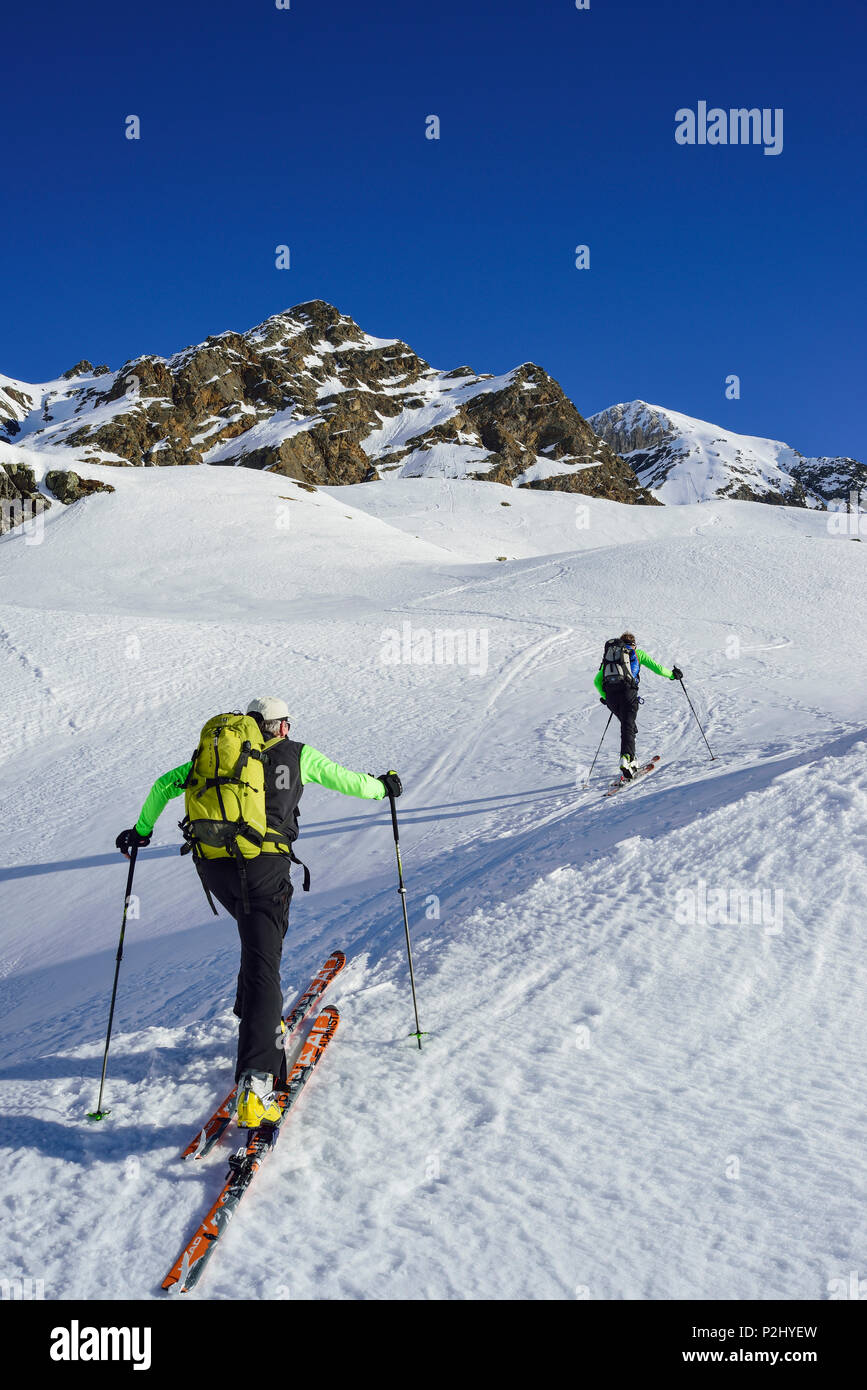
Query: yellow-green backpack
point(224, 798)
point(224, 795)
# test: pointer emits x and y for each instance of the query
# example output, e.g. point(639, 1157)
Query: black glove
point(676, 673)
point(131, 839)
point(391, 782)
point(602, 700)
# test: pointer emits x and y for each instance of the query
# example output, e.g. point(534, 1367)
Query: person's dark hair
point(628, 638)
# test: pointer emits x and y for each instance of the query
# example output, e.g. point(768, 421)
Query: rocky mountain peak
point(310, 394)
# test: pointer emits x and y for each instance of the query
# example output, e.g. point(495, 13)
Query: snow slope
point(644, 1076)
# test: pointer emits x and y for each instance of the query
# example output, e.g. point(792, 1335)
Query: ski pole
point(418, 1034)
point(598, 751)
point(697, 720)
point(99, 1113)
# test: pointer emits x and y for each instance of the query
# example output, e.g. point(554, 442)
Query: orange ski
point(204, 1140)
point(190, 1264)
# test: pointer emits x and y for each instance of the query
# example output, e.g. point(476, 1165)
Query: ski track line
point(517, 668)
point(474, 583)
point(528, 659)
point(523, 663)
point(520, 667)
point(703, 526)
point(365, 913)
point(446, 764)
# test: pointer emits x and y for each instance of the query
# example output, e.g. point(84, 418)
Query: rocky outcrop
point(68, 487)
point(21, 499)
point(310, 395)
point(16, 402)
point(532, 418)
point(833, 479)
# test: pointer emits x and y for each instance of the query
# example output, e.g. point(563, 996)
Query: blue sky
point(306, 127)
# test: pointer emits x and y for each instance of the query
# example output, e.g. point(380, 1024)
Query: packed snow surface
point(644, 1075)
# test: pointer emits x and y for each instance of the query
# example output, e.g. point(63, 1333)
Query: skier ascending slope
point(242, 788)
point(617, 682)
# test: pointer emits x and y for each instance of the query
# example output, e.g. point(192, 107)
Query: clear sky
point(305, 127)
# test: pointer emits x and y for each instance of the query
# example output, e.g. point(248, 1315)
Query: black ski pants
point(259, 999)
point(622, 700)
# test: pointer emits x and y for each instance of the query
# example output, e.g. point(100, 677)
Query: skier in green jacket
point(617, 683)
point(263, 919)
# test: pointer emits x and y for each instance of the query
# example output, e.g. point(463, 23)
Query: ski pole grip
point(393, 815)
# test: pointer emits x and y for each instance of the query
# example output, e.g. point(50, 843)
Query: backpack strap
point(280, 840)
point(189, 847)
point(295, 860)
point(217, 779)
point(242, 876)
point(192, 846)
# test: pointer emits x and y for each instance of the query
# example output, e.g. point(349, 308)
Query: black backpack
point(616, 668)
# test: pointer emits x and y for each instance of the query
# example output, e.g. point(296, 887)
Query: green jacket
point(315, 767)
point(643, 660)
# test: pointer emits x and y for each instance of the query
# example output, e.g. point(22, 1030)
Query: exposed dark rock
point(834, 479)
point(68, 487)
point(20, 498)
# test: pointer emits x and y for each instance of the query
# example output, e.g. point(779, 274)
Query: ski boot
point(256, 1104)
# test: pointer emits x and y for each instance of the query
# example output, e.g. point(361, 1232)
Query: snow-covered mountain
point(685, 460)
point(308, 394)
